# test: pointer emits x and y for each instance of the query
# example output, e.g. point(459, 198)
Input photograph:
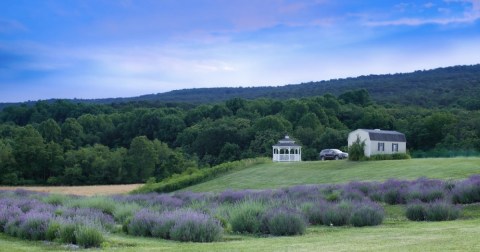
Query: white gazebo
point(287, 151)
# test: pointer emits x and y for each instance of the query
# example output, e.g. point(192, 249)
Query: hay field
point(79, 190)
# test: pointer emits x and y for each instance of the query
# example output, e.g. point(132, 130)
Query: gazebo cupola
point(287, 151)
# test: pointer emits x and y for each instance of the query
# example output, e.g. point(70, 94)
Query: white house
point(379, 141)
point(287, 151)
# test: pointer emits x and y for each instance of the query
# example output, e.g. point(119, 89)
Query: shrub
point(12, 227)
point(53, 229)
point(7, 214)
point(441, 211)
point(230, 196)
point(56, 199)
point(142, 223)
point(426, 195)
point(283, 222)
point(436, 211)
point(89, 216)
point(356, 151)
point(162, 227)
point(125, 211)
point(394, 191)
point(104, 204)
point(467, 191)
point(395, 156)
point(416, 212)
point(367, 215)
point(196, 227)
point(66, 231)
point(33, 225)
point(393, 197)
point(313, 213)
point(337, 215)
point(88, 236)
point(246, 217)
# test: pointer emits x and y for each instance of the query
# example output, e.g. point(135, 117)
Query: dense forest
point(63, 142)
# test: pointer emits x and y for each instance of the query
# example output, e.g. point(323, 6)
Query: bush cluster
point(395, 156)
point(435, 211)
point(35, 220)
point(179, 225)
point(246, 217)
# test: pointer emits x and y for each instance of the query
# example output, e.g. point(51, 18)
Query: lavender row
point(204, 217)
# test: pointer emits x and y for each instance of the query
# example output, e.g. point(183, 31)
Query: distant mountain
point(449, 86)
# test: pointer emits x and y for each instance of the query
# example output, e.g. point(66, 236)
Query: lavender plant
point(366, 214)
point(192, 226)
point(246, 217)
point(284, 222)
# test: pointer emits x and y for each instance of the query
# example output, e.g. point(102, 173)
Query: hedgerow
point(195, 176)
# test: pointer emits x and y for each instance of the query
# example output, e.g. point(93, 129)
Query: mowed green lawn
point(276, 175)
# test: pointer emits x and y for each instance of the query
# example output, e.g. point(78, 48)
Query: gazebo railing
point(286, 157)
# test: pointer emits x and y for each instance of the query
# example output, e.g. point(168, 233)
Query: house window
point(381, 146)
point(394, 147)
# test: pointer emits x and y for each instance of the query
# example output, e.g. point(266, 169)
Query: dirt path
point(79, 190)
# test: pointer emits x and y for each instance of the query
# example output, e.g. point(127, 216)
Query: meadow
point(276, 175)
point(380, 213)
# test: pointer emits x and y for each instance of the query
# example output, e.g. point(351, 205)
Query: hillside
point(277, 175)
point(456, 85)
point(442, 86)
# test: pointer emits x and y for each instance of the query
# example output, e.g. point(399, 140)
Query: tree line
point(76, 143)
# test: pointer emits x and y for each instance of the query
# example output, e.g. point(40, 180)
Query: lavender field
point(211, 217)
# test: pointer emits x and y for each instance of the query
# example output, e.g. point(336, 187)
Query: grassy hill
point(276, 175)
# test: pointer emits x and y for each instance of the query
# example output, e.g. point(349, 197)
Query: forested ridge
point(67, 142)
point(441, 87)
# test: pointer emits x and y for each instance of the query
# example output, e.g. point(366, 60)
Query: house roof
point(385, 135)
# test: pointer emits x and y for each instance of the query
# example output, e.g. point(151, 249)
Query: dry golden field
point(79, 190)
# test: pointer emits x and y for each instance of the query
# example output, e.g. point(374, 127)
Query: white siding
point(371, 147)
point(402, 148)
point(352, 137)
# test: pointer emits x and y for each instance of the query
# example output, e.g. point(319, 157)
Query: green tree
point(229, 152)
point(8, 165)
point(141, 159)
point(29, 152)
point(72, 130)
point(50, 130)
point(359, 97)
point(55, 160)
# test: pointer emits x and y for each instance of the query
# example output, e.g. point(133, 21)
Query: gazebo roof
point(286, 142)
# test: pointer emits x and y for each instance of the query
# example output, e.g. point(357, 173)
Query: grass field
point(396, 234)
point(275, 175)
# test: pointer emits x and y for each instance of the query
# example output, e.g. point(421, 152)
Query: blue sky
point(124, 48)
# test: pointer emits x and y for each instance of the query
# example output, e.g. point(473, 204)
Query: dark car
point(333, 154)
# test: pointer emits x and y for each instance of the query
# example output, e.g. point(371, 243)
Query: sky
point(124, 48)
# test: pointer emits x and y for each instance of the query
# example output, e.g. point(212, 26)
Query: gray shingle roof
point(386, 135)
point(286, 145)
point(286, 142)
